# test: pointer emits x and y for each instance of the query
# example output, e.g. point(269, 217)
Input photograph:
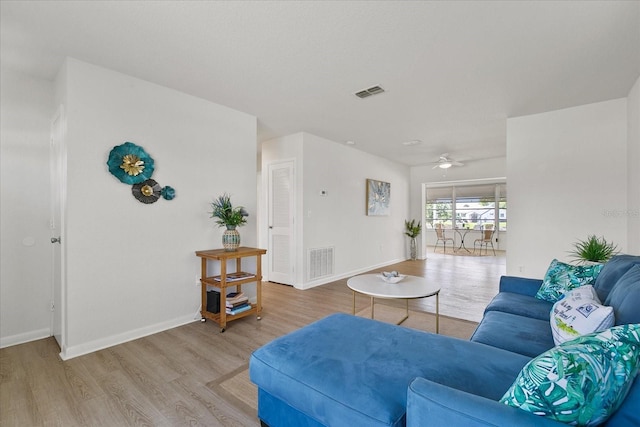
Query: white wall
point(131, 267)
point(565, 176)
point(633, 160)
point(339, 219)
point(473, 170)
point(26, 108)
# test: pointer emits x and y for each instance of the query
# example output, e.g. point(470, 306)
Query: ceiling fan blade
point(445, 162)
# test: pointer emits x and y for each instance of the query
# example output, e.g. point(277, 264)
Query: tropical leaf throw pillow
point(561, 277)
point(580, 382)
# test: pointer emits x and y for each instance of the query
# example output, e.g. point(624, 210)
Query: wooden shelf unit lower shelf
point(217, 317)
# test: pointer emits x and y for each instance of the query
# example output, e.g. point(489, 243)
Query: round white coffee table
point(410, 287)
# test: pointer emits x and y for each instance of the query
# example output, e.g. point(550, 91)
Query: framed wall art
point(378, 198)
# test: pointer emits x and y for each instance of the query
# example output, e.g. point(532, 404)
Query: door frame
point(58, 194)
point(292, 236)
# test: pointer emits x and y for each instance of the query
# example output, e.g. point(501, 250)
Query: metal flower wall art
point(147, 191)
point(130, 163)
point(133, 166)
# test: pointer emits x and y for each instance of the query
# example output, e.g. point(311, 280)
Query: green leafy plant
point(412, 228)
point(593, 249)
point(228, 215)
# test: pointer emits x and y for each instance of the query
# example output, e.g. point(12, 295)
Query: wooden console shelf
point(227, 279)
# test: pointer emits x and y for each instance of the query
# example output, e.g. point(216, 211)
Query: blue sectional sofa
point(345, 370)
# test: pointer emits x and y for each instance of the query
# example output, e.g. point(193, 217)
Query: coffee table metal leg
point(438, 313)
point(353, 308)
point(406, 313)
point(372, 302)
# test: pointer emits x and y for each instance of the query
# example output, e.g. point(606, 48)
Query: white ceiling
point(452, 71)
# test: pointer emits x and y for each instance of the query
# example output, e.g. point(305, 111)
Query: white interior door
point(281, 252)
point(57, 160)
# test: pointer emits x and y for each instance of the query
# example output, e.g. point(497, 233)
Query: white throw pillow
point(580, 312)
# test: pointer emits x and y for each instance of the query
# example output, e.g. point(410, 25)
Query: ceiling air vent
point(373, 90)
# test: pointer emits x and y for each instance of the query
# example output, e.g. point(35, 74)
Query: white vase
point(414, 248)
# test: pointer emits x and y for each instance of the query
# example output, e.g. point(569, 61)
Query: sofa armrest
point(520, 285)
point(433, 404)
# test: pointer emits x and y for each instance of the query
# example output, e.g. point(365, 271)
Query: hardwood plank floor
point(161, 380)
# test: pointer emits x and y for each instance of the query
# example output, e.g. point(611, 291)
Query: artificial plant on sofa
point(351, 371)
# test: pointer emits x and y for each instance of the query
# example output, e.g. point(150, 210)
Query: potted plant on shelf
point(412, 229)
point(593, 250)
point(229, 217)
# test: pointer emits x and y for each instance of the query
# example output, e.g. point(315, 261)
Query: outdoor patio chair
point(442, 238)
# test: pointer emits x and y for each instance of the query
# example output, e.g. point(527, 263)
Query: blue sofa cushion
point(520, 285)
point(522, 335)
point(625, 297)
point(348, 370)
point(580, 382)
point(521, 305)
point(628, 414)
point(561, 278)
point(613, 270)
point(433, 404)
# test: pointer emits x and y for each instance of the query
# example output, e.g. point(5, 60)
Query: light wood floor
point(166, 379)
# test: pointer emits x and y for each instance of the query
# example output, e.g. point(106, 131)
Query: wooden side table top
point(242, 252)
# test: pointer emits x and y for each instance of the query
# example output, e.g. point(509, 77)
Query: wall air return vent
point(320, 262)
point(373, 90)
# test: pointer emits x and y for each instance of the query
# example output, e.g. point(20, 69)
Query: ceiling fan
point(445, 162)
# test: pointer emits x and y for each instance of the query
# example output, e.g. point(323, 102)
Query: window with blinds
point(467, 206)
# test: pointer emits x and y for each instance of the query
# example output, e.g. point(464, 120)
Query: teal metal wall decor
point(168, 193)
point(132, 165)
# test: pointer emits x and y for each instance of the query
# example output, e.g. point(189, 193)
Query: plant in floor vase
point(593, 249)
point(412, 229)
point(229, 217)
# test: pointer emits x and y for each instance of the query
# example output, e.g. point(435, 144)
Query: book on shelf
point(239, 309)
point(234, 297)
point(232, 277)
point(244, 301)
point(237, 306)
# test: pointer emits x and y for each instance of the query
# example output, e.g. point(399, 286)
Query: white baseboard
point(25, 337)
point(81, 349)
point(329, 279)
